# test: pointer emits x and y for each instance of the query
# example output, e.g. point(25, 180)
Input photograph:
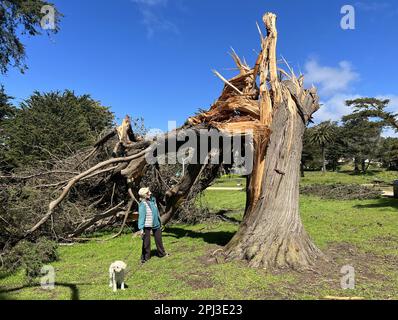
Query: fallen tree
point(342, 192)
point(274, 114)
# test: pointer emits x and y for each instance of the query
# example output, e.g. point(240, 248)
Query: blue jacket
point(142, 214)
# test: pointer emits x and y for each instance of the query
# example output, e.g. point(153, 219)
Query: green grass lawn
point(344, 177)
point(230, 181)
point(348, 177)
point(363, 234)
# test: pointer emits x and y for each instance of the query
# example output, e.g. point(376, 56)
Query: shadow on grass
point(387, 202)
point(154, 252)
point(367, 174)
point(220, 238)
point(74, 291)
point(222, 214)
point(4, 275)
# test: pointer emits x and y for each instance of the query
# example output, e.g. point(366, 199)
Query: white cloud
point(393, 105)
point(377, 8)
point(334, 108)
point(154, 23)
point(335, 88)
point(150, 2)
point(152, 18)
point(330, 80)
point(373, 6)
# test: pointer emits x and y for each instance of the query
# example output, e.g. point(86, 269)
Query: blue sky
point(153, 58)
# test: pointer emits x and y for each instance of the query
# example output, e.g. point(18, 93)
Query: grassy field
point(363, 234)
point(348, 177)
point(230, 181)
point(344, 177)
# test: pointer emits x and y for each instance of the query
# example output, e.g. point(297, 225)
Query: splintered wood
point(237, 110)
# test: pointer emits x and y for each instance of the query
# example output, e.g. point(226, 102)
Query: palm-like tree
point(322, 135)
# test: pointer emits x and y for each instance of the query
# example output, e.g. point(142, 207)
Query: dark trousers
point(146, 243)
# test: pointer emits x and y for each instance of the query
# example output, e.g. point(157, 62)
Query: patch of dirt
point(388, 241)
point(197, 280)
point(327, 274)
point(214, 255)
point(159, 296)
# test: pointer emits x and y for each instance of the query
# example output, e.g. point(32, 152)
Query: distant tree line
point(356, 139)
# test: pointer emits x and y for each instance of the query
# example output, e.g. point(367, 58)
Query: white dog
point(116, 275)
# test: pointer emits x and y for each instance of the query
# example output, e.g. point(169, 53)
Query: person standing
point(149, 220)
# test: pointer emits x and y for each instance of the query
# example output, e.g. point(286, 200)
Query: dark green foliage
point(7, 110)
point(55, 123)
point(20, 207)
point(19, 17)
point(373, 108)
point(341, 191)
point(323, 135)
point(362, 139)
point(319, 141)
point(31, 257)
point(389, 153)
point(356, 139)
point(312, 156)
point(336, 150)
point(368, 109)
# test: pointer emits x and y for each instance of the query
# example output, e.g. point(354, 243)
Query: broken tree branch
point(72, 182)
point(227, 82)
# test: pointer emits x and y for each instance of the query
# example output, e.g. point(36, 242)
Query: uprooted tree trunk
point(276, 113)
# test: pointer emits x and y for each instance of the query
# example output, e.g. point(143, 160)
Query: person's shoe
point(165, 256)
point(143, 261)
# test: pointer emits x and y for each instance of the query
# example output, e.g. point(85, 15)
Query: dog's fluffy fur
point(116, 275)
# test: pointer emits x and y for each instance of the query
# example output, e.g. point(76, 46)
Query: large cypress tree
point(54, 123)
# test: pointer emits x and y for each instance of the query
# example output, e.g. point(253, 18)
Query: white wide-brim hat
point(143, 192)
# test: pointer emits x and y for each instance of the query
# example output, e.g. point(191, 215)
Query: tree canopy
point(6, 108)
point(363, 138)
point(357, 137)
point(373, 108)
point(322, 135)
point(56, 123)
